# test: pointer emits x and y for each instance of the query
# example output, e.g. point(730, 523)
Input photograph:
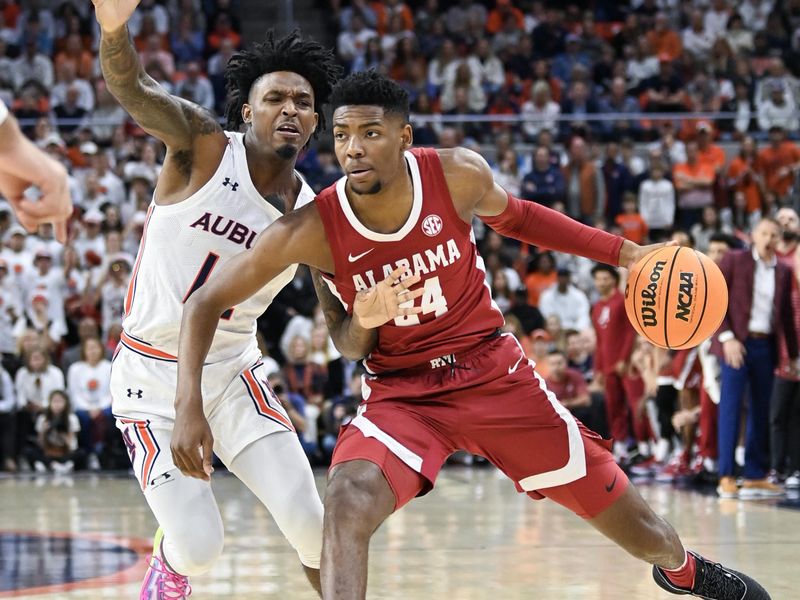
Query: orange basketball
point(676, 297)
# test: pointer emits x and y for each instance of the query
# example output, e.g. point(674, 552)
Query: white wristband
point(3, 112)
point(725, 336)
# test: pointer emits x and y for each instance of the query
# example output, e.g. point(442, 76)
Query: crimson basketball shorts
point(489, 402)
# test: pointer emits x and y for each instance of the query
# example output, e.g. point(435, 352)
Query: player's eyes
point(372, 134)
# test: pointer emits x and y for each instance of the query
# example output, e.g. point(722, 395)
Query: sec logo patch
point(432, 225)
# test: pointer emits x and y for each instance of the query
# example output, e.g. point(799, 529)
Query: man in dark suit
point(759, 312)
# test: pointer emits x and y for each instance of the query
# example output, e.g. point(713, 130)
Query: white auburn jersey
point(186, 243)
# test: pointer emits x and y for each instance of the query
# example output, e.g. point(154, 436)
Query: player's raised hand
point(192, 443)
point(389, 299)
point(113, 14)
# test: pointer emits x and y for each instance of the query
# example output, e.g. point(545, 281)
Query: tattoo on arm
point(351, 344)
point(171, 119)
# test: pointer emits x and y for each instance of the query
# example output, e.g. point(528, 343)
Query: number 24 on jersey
point(433, 301)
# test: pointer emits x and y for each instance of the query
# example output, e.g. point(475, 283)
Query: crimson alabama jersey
point(457, 306)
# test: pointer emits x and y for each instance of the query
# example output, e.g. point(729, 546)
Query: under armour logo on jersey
point(432, 225)
point(137, 393)
point(228, 182)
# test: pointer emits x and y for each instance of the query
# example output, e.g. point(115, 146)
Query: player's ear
point(407, 136)
point(247, 113)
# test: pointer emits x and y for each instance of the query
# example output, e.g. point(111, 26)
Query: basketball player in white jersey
point(217, 191)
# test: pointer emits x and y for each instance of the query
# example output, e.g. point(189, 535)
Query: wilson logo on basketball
point(649, 295)
point(432, 225)
point(685, 296)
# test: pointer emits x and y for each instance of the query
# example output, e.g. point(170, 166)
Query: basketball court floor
point(472, 538)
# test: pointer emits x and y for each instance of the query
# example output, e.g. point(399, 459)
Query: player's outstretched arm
point(173, 120)
point(475, 191)
point(22, 165)
point(297, 237)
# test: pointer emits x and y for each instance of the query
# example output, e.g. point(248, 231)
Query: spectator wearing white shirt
point(779, 110)
point(89, 386)
point(643, 65)
point(112, 291)
point(49, 330)
point(352, 43)
point(540, 111)
point(461, 77)
point(32, 64)
point(33, 385)
point(45, 238)
point(8, 403)
point(738, 37)
point(755, 13)
point(697, 40)
point(68, 80)
point(716, 19)
point(567, 302)
point(95, 195)
point(108, 180)
point(10, 313)
point(657, 203)
point(91, 240)
point(20, 260)
point(490, 69)
point(442, 63)
point(47, 281)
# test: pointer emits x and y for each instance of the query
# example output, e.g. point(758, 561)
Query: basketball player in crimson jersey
point(440, 378)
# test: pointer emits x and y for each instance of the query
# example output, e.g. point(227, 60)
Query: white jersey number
point(433, 301)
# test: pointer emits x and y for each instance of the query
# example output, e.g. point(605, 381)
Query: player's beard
point(286, 152)
point(375, 189)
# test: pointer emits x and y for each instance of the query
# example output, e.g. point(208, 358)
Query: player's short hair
point(370, 88)
point(602, 267)
point(308, 58)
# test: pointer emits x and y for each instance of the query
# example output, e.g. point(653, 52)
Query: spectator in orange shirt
point(694, 182)
point(631, 223)
point(385, 10)
point(663, 40)
point(498, 15)
point(223, 30)
point(541, 275)
point(779, 163)
point(74, 53)
point(744, 175)
point(707, 151)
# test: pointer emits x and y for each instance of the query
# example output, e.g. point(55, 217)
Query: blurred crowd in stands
point(566, 101)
